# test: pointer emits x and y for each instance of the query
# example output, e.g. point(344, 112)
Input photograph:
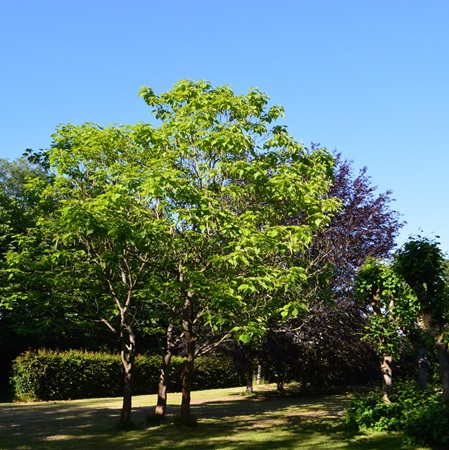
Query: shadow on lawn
point(53, 425)
point(258, 423)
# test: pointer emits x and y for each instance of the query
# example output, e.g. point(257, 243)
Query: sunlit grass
point(228, 420)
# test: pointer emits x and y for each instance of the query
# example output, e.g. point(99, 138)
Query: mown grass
point(227, 420)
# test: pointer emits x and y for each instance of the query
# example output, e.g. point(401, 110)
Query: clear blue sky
point(369, 78)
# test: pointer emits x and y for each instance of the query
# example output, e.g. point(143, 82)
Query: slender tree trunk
point(423, 367)
point(249, 378)
point(443, 360)
point(248, 361)
point(280, 378)
point(259, 374)
point(387, 377)
point(187, 372)
point(164, 378)
point(128, 346)
point(434, 328)
point(387, 360)
point(280, 383)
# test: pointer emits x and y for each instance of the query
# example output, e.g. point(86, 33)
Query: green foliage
point(20, 187)
point(370, 411)
point(421, 262)
point(422, 415)
point(430, 426)
point(394, 305)
point(228, 180)
point(49, 375)
point(215, 372)
point(19, 198)
point(216, 204)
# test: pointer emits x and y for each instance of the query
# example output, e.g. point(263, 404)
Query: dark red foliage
point(366, 226)
point(324, 343)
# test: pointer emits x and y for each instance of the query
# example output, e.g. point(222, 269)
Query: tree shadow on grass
point(53, 425)
point(256, 423)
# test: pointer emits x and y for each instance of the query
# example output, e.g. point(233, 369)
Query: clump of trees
point(181, 224)
point(323, 344)
point(408, 299)
point(209, 228)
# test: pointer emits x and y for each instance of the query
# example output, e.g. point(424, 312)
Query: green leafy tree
point(393, 313)
point(19, 199)
point(181, 225)
point(422, 265)
point(19, 210)
point(231, 179)
point(105, 233)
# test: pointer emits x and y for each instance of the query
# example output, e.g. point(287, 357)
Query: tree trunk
point(423, 367)
point(387, 360)
point(127, 355)
point(434, 328)
point(280, 378)
point(443, 360)
point(387, 377)
point(280, 383)
point(259, 374)
point(187, 372)
point(164, 378)
point(249, 378)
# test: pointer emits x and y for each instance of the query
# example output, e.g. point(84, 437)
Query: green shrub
point(49, 375)
point(430, 425)
point(147, 371)
point(423, 416)
point(371, 412)
point(74, 374)
point(216, 372)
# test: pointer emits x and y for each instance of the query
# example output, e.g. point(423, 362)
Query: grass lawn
point(227, 420)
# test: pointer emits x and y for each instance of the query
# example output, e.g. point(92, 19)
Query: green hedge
point(74, 374)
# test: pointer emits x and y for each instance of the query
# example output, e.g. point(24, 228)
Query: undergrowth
point(422, 415)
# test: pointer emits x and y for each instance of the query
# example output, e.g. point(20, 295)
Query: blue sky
point(368, 78)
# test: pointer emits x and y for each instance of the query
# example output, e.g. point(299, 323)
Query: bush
point(430, 426)
point(371, 412)
point(49, 375)
point(74, 374)
point(147, 371)
point(216, 372)
point(423, 416)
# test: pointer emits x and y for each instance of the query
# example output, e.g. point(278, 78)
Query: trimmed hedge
point(75, 374)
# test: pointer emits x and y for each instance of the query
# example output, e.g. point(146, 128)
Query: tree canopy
point(210, 223)
point(199, 204)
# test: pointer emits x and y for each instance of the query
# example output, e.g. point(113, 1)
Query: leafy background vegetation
point(213, 232)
